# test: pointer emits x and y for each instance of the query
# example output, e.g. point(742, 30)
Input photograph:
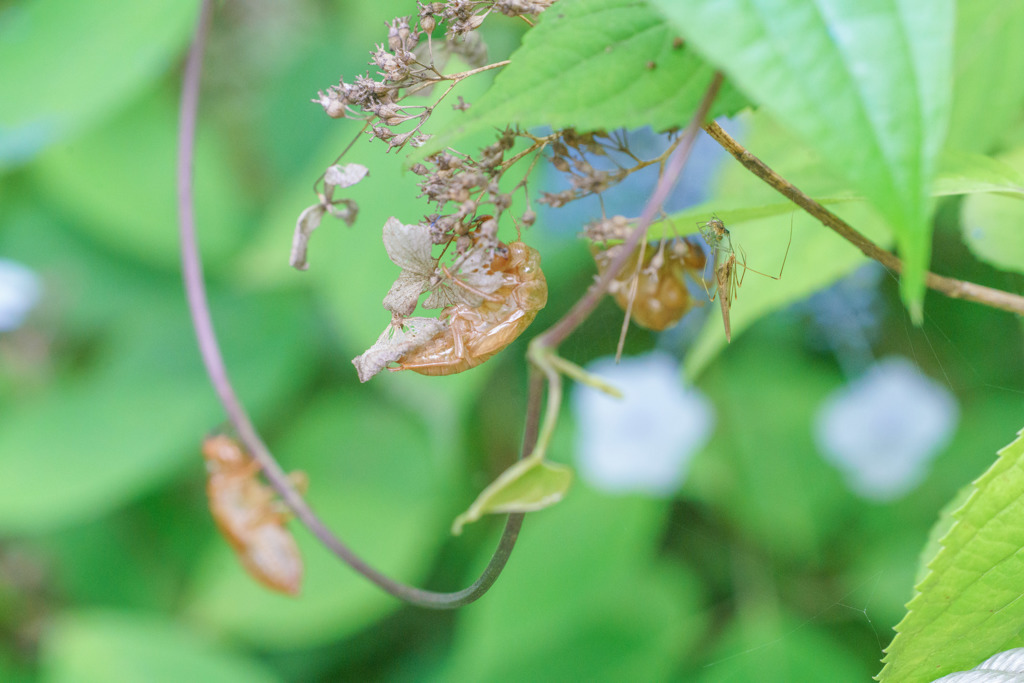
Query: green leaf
point(598, 64)
point(767, 643)
point(968, 606)
point(530, 484)
point(977, 174)
point(122, 193)
point(865, 84)
point(987, 89)
point(586, 597)
point(100, 438)
point(991, 223)
point(105, 646)
point(64, 65)
point(794, 506)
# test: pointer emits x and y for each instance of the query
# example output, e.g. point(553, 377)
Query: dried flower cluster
point(407, 64)
point(470, 194)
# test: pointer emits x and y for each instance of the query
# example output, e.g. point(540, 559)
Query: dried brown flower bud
point(400, 36)
point(332, 104)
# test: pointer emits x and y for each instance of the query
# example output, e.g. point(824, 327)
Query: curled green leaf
point(529, 485)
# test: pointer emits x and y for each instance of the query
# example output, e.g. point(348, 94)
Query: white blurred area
point(643, 442)
point(19, 291)
point(883, 429)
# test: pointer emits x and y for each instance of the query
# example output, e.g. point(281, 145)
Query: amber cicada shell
point(476, 333)
point(249, 516)
point(662, 297)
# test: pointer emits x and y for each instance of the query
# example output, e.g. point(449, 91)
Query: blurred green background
point(764, 566)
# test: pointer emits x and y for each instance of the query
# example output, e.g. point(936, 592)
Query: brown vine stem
point(955, 289)
point(195, 291)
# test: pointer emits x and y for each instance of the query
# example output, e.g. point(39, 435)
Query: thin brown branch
point(195, 290)
point(956, 289)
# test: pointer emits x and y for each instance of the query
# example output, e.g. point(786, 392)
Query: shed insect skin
point(477, 333)
point(662, 297)
point(249, 516)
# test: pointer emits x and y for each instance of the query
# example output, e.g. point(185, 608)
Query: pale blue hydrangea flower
point(19, 292)
point(643, 442)
point(883, 429)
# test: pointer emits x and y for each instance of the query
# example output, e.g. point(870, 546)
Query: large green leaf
point(762, 467)
point(865, 84)
point(63, 65)
point(584, 598)
point(987, 88)
point(118, 182)
point(766, 643)
point(106, 646)
point(593, 64)
point(968, 606)
point(992, 223)
point(101, 437)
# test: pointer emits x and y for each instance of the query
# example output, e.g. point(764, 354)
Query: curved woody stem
point(195, 290)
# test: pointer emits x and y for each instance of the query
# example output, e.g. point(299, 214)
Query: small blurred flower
point(883, 429)
point(19, 292)
point(644, 441)
point(845, 317)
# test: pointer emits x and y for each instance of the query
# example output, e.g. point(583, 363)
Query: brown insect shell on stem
point(475, 333)
point(249, 516)
point(662, 297)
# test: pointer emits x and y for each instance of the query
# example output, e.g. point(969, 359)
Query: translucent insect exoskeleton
point(475, 333)
point(250, 517)
point(728, 259)
point(660, 297)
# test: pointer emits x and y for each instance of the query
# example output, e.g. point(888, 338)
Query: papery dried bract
point(396, 342)
point(344, 176)
point(409, 247)
point(474, 271)
point(309, 220)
